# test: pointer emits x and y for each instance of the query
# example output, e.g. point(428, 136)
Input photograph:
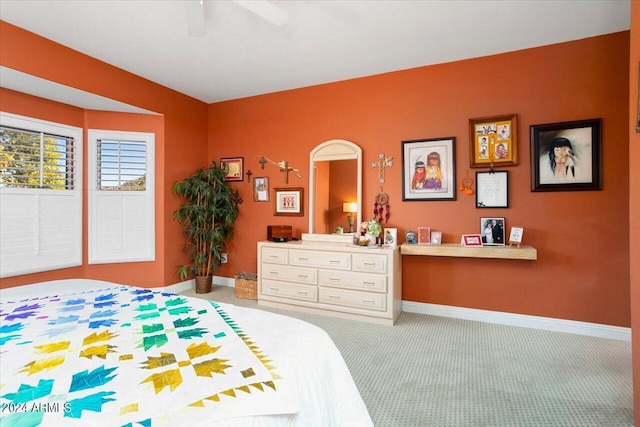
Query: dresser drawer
point(347, 298)
point(289, 290)
point(370, 263)
point(357, 281)
point(308, 276)
point(337, 260)
point(275, 255)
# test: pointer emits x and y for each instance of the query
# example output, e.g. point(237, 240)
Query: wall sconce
point(350, 208)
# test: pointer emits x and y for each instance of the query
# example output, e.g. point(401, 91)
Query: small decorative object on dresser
point(391, 237)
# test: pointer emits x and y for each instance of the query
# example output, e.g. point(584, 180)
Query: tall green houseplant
point(207, 219)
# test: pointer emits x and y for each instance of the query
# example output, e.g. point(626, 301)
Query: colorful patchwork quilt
point(127, 356)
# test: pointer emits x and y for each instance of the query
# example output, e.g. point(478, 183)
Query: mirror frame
point(334, 149)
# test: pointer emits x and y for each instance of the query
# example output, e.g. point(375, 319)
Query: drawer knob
point(366, 283)
point(303, 276)
point(369, 264)
point(302, 293)
point(334, 279)
point(368, 301)
point(303, 259)
point(334, 297)
point(334, 261)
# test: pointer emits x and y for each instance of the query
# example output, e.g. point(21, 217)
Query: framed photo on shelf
point(288, 201)
point(471, 240)
point(494, 141)
point(234, 166)
point(436, 237)
point(515, 237)
point(261, 189)
point(492, 231)
point(428, 169)
point(424, 235)
point(410, 237)
point(492, 189)
point(391, 237)
point(566, 156)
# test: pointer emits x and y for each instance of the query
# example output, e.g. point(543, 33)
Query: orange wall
point(634, 202)
point(181, 144)
point(582, 271)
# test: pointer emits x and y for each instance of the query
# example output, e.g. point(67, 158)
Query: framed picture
point(492, 189)
point(261, 189)
point(492, 231)
point(235, 168)
point(288, 201)
point(566, 156)
point(471, 240)
point(515, 237)
point(436, 237)
point(424, 235)
point(391, 237)
point(428, 169)
point(494, 141)
point(410, 237)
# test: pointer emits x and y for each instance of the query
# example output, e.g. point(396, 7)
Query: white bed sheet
point(327, 394)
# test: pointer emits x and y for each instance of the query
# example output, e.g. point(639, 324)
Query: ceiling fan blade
point(195, 17)
point(266, 10)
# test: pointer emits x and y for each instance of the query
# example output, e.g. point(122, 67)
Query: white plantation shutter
point(40, 195)
point(121, 196)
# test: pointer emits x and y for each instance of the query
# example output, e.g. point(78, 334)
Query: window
point(40, 195)
point(121, 197)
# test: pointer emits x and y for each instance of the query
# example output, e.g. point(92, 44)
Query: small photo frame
point(494, 141)
point(566, 156)
point(436, 237)
point(288, 201)
point(410, 237)
point(390, 237)
point(234, 167)
point(492, 189)
point(471, 240)
point(428, 169)
point(492, 231)
point(515, 236)
point(424, 235)
point(261, 189)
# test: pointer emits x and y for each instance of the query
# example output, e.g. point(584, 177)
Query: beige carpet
point(436, 371)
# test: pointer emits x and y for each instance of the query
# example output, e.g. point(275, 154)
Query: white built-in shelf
point(457, 250)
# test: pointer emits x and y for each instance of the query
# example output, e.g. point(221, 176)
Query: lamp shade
point(349, 207)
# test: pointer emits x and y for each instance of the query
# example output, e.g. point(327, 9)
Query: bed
point(85, 352)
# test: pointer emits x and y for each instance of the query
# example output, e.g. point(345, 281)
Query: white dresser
point(336, 279)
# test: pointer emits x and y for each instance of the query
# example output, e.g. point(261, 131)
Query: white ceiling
point(242, 54)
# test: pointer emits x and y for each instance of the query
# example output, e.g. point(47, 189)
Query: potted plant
point(207, 219)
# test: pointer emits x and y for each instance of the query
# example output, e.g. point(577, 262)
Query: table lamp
point(350, 208)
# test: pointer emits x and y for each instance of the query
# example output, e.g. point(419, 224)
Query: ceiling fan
point(263, 8)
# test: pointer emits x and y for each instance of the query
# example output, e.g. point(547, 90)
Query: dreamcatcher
point(381, 206)
point(466, 185)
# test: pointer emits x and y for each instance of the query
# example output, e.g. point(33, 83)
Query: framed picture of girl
point(428, 169)
point(566, 156)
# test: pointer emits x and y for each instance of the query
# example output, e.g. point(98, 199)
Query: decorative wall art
point(261, 189)
point(492, 189)
point(566, 156)
point(428, 169)
point(492, 231)
point(235, 168)
point(494, 141)
point(288, 201)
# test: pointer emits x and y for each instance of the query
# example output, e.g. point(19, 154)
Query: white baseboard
point(510, 319)
point(523, 320)
point(191, 284)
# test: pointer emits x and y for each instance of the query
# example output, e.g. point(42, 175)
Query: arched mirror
point(335, 187)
